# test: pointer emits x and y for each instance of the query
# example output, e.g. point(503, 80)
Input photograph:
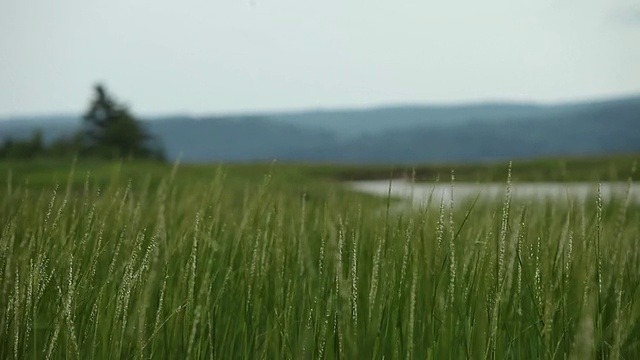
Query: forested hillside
point(410, 134)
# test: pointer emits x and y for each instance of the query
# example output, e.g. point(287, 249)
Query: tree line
point(108, 131)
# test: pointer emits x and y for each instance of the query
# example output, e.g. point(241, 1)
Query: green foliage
point(64, 147)
point(31, 148)
point(593, 169)
point(112, 132)
point(241, 262)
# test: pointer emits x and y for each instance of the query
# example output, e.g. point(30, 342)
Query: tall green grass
point(259, 270)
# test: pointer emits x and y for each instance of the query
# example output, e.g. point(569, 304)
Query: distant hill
point(237, 139)
point(400, 134)
point(353, 123)
point(53, 127)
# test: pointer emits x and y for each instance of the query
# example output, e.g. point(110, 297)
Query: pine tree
point(111, 131)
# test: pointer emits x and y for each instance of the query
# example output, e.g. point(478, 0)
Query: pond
point(419, 193)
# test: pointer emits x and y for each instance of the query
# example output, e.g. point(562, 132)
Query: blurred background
point(354, 82)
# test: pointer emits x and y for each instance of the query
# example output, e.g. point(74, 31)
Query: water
point(420, 193)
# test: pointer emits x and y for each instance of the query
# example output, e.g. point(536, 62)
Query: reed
point(214, 270)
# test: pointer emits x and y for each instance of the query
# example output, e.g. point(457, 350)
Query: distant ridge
point(390, 134)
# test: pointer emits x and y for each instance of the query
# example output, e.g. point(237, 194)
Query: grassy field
point(45, 172)
point(143, 260)
point(619, 168)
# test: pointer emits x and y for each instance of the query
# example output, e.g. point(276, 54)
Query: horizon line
point(347, 108)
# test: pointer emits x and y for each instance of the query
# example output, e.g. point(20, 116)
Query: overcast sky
point(219, 56)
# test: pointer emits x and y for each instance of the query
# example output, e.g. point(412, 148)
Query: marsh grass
point(171, 269)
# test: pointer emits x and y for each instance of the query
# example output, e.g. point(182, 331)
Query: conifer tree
point(111, 131)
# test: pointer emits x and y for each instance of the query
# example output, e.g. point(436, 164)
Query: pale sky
point(221, 56)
